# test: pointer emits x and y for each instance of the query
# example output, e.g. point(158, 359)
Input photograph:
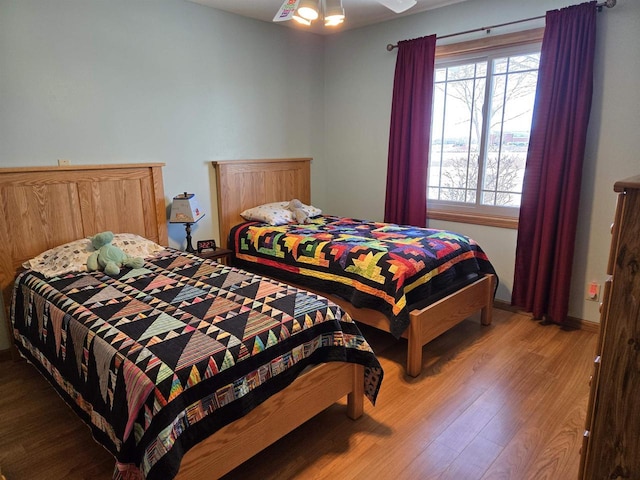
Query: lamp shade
point(185, 209)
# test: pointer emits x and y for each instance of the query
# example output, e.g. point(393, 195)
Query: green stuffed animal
point(110, 258)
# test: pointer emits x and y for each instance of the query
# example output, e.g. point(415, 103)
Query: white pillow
point(276, 213)
point(72, 256)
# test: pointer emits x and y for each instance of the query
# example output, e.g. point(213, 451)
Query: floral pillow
point(276, 213)
point(72, 256)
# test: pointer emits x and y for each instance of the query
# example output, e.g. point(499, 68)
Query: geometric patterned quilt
point(158, 358)
point(377, 265)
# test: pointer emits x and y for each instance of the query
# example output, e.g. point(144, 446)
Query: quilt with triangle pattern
point(383, 266)
point(158, 358)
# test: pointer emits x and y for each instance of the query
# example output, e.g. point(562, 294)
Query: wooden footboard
point(280, 414)
point(432, 321)
point(435, 319)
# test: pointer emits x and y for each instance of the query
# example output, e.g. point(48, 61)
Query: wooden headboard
point(243, 184)
point(42, 207)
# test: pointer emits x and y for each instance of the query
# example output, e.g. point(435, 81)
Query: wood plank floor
point(501, 402)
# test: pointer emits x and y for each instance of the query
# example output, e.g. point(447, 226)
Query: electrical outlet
point(593, 291)
point(64, 163)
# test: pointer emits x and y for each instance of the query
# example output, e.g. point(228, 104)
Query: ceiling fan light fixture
point(334, 13)
point(308, 9)
point(328, 22)
point(301, 20)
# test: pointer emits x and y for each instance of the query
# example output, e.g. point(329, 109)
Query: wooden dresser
point(611, 445)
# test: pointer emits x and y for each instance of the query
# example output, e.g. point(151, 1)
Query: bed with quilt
point(158, 357)
point(413, 282)
point(184, 367)
point(376, 265)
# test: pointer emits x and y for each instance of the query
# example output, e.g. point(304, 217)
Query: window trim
point(475, 219)
point(457, 213)
point(490, 43)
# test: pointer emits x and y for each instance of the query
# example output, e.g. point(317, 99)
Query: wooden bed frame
point(42, 207)
point(244, 184)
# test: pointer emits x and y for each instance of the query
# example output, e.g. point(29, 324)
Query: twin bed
point(186, 368)
point(426, 281)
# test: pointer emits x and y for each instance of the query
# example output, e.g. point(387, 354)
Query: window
point(481, 121)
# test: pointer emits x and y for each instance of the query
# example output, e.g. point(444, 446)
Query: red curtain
point(551, 189)
point(409, 137)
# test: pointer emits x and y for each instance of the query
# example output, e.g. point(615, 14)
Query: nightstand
point(221, 255)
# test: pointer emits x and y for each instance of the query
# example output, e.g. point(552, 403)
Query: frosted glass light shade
point(308, 9)
point(334, 13)
point(301, 20)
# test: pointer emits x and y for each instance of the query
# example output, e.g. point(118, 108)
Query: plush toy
point(108, 257)
point(299, 214)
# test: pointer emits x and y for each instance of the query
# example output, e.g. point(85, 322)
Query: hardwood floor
point(501, 402)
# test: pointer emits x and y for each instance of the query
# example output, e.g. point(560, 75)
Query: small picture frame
point(206, 245)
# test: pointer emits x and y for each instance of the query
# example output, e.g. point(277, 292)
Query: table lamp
point(184, 209)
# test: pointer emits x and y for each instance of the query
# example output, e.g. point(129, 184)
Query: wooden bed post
point(414, 348)
point(355, 399)
point(486, 313)
point(6, 300)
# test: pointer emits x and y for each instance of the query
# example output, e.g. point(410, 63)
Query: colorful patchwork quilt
point(158, 358)
point(382, 266)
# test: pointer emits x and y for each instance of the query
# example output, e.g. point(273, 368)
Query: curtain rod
point(599, 6)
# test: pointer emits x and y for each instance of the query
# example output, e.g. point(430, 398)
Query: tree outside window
point(481, 123)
